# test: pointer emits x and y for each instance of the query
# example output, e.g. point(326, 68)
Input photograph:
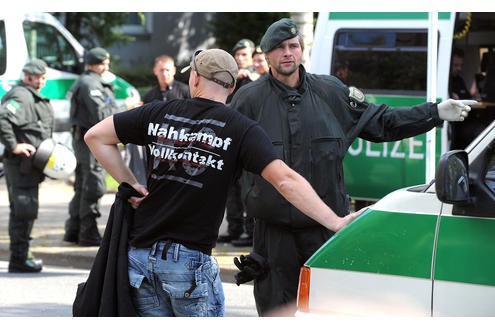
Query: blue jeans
point(171, 280)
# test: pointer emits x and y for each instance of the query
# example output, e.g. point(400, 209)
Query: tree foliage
point(230, 27)
point(95, 29)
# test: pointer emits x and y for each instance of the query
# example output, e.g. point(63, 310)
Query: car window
point(46, 42)
point(388, 61)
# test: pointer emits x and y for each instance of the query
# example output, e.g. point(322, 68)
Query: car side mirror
point(452, 178)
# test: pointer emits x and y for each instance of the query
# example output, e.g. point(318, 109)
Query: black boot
point(29, 265)
point(88, 232)
point(72, 230)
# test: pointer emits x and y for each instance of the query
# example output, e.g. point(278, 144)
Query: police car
point(426, 250)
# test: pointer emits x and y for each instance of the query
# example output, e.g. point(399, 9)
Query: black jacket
point(91, 100)
point(106, 292)
point(311, 127)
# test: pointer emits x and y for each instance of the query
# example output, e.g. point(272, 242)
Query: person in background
point(167, 88)
point(259, 62)
point(243, 53)
point(92, 99)
point(342, 71)
point(201, 145)
point(26, 119)
point(457, 85)
point(312, 120)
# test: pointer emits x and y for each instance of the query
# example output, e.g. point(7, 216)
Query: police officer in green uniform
point(92, 100)
point(26, 119)
point(312, 120)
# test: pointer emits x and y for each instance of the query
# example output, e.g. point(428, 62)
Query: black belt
point(169, 243)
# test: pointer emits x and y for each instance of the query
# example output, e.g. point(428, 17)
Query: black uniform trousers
point(23, 187)
point(235, 211)
point(89, 186)
point(286, 250)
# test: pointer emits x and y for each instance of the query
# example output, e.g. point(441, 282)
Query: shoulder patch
point(95, 93)
point(356, 94)
point(13, 106)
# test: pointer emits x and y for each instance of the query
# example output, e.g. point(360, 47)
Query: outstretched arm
point(299, 193)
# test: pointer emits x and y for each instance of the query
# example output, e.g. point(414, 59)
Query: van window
point(384, 61)
point(45, 42)
point(3, 49)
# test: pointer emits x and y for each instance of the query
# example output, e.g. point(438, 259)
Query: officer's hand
point(242, 276)
point(252, 266)
point(454, 110)
point(25, 149)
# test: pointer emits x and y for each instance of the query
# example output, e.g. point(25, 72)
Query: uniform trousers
point(286, 249)
point(23, 188)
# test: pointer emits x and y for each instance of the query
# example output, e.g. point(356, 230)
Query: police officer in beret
point(312, 120)
point(243, 54)
point(91, 100)
point(26, 119)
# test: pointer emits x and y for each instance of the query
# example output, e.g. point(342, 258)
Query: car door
point(464, 271)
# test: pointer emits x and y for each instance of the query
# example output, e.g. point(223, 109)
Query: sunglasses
point(193, 60)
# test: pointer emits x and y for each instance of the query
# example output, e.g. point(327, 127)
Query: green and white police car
point(426, 250)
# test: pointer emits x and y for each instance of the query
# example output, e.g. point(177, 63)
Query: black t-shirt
point(197, 146)
point(178, 90)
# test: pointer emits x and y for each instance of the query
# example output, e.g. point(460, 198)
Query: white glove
point(454, 110)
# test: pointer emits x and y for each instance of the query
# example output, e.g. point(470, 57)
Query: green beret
point(241, 44)
point(35, 67)
point(96, 56)
point(279, 31)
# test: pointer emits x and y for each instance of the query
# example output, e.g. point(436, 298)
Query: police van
point(427, 249)
point(387, 57)
point(41, 35)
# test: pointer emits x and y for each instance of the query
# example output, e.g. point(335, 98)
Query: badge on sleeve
point(356, 96)
point(95, 93)
point(13, 106)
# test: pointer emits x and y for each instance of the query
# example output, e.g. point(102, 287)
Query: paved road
point(51, 293)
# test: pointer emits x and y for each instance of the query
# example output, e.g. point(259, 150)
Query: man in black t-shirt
point(197, 147)
point(167, 87)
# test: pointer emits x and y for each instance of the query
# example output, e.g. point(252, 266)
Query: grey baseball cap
point(35, 67)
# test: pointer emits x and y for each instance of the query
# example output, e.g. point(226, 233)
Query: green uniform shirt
point(25, 117)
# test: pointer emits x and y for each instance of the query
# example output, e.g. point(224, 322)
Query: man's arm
point(299, 193)
point(102, 140)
